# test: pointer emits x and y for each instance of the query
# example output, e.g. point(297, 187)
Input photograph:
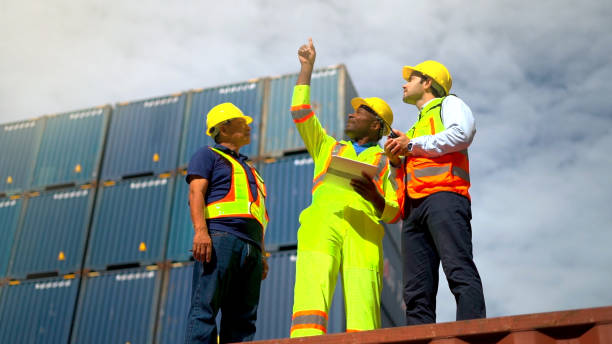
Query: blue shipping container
point(289, 185)
point(38, 311)
point(180, 236)
point(331, 91)
point(392, 300)
point(20, 143)
point(175, 304)
point(71, 147)
point(394, 232)
point(10, 211)
point(53, 232)
point(144, 137)
point(130, 223)
point(247, 96)
point(117, 307)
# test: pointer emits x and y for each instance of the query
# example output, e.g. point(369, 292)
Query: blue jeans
point(438, 230)
point(230, 282)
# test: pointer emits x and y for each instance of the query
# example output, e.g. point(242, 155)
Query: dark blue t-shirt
point(218, 171)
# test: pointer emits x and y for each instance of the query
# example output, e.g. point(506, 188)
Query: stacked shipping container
point(10, 211)
point(53, 232)
point(38, 310)
point(71, 148)
point(20, 143)
point(104, 189)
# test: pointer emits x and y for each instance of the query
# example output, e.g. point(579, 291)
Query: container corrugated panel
point(394, 232)
point(71, 147)
point(288, 183)
point(276, 300)
point(330, 93)
point(19, 144)
point(144, 137)
point(117, 307)
point(175, 305)
point(392, 301)
point(180, 236)
point(130, 223)
point(38, 311)
point(247, 96)
point(53, 233)
point(10, 210)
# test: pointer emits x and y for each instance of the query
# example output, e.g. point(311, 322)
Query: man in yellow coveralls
point(340, 230)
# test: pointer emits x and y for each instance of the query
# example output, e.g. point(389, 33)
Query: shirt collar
point(231, 152)
point(365, 145)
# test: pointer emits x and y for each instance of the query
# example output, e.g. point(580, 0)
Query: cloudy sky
point(535, 73)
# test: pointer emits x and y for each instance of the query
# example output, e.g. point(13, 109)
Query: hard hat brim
point(248, 120)
point(407, 71)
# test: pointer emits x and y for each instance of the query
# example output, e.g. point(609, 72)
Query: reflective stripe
point(336, 150)
point(260, 182)
point(438, 170)
point(303, 119)
point(348, 330)
point(461, 173)
point(430, 171)
point(309, 320)
point(312, 312)
point(308, 326)
point(301, 113)
point(320, 176)
point(381, 161)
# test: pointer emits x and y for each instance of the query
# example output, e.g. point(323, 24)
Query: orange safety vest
point(449, 172)
point(239, 201)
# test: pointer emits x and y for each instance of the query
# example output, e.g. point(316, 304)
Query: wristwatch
point(409, 147)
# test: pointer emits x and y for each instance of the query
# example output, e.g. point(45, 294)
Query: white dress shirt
point(458, 135)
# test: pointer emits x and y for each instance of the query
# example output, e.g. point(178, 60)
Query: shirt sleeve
point(392, 212)
point(397, 176)
point(458, 135)
point(307, 124)
point(201, 164)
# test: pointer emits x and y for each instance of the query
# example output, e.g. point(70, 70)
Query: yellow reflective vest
point(428, 175)
point(239, 201)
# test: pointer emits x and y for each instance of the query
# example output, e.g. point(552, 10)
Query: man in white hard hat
point(226, 200)
point(435, 198)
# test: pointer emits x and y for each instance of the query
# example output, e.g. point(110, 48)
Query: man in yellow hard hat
point(435, 198)
point(226, 200)
point(340, 230)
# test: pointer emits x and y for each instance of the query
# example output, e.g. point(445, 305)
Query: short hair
point(436, 89)
point(216, 130)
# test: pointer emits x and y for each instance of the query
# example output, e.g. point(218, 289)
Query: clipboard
point(342, 170)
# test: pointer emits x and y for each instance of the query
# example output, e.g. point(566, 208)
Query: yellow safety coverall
point(339, 232)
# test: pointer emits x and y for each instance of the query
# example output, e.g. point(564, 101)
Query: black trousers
point(437, 229)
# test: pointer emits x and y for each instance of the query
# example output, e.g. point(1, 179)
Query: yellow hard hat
point(433, 69)
point(222, 113)
point(379, 106)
